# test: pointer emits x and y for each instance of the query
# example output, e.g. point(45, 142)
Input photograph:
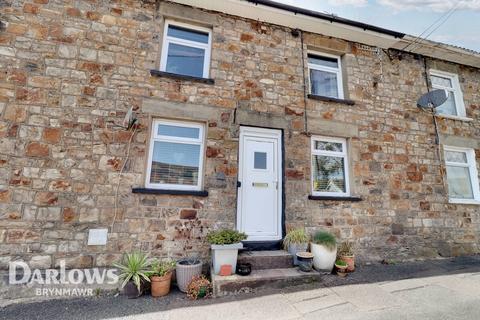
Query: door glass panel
point(459, 183)
point(260, 160)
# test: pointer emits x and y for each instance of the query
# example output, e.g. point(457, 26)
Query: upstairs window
point(325, 74)
point(462, 175)
point(176, 156)
point(454, 105)
point(329, 167)
point(186, 50)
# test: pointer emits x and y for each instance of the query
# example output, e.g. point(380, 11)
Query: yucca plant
point(134, 267)
point(295, 236)
point(326, 239)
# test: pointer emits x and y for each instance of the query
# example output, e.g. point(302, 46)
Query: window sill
point(335, 198)
point(330, 99)
point(462, 201)
point(459, 118)
point(202, 193)
point(157, 73)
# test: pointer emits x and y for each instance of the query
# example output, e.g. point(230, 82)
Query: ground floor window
point(462, 175)
point(175, 158)
point(329, 167)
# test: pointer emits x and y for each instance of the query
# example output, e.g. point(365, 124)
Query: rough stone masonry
point(70, 70)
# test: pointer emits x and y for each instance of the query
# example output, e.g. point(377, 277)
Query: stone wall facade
point(72, 69)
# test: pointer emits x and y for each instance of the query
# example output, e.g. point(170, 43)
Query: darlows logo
point(28, 276)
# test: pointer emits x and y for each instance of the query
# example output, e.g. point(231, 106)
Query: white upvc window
point(325, 75)
point(462, 175)
point(175, 159)
point(186, 49)
point(454, 106)
point(330, 175)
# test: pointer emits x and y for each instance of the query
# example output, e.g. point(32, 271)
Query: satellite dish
point(433, 99)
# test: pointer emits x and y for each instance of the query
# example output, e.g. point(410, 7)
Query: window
point(454, 105)
point(462, 175)
point(186, 50)
point(325, 74)
point(176, 156)
point(329, 167)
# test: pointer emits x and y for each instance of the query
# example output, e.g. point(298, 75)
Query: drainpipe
point(305, 122)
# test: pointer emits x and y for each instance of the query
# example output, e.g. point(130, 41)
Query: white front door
point(259, 210)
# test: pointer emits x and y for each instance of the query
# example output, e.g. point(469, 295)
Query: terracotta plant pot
point(161, 285)
point(185, 271)
point(350, 261)
point(341, 270)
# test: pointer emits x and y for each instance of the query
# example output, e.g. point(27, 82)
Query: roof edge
point(328, 17)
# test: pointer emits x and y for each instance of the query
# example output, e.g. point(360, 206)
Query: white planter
point(323, 258)
point(225, 254)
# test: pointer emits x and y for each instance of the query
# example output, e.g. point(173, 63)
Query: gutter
point(329, 17)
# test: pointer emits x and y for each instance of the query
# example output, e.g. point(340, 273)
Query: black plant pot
point(131, 290)
point(244, 269)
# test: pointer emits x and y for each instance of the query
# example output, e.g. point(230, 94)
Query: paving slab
point(316, 304)
point(367, 297)
point(400, 285)
point(307, 294)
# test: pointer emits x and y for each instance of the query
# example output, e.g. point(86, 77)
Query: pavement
point(437, 289)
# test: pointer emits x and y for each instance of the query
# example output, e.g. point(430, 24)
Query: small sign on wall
point(97, 237)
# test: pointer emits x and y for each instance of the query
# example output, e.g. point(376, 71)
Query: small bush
point(295, 236)
point(346, 249)
point(225, 236)
point(199, 287)
point(325, 239)
point(160, 269)
point(341, 263)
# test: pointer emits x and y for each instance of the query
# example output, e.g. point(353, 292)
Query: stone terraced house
point(250, 115)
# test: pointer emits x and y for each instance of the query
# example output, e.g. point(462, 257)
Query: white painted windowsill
point(446, 116)
point(464, 201)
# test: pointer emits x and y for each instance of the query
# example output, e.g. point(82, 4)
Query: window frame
point(154, 137)
point(338, 71)
point(169, 39)
point(343, 154)
point(457, 90)
point(472, 166)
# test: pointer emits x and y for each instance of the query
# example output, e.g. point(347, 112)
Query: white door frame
point(278, 158)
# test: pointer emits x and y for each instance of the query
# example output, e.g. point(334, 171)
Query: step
point(260, 260)
point(261, 279)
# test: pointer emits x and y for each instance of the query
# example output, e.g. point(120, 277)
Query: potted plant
point(161, 277)
point(134, 270)
point(199, 287)
point(324, 250)
point(305, 261)
point(296, 241)
point(186, 270)
point(341, 267)
point(225, 244)
point(345, 253)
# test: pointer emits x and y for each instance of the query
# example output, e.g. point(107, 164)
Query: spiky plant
point(325, 239)
point(134, 267)
point(295, 236)
point(346, 249)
